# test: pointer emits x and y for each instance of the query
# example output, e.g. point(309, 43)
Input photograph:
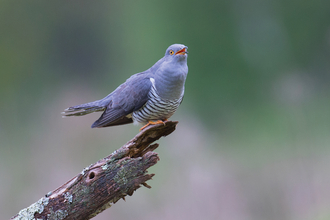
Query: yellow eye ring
point(171, 52)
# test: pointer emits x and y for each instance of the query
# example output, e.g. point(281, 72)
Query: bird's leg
point(154, 123)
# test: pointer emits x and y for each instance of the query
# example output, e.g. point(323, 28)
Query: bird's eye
point(171, 52)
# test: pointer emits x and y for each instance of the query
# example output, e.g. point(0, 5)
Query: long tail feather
point(84, 109)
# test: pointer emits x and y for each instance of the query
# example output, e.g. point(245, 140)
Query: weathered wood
point(102, 184)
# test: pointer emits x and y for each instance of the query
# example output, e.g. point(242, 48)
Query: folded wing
point(128, 97)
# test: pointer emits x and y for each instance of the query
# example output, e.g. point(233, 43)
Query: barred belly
point(156, 108)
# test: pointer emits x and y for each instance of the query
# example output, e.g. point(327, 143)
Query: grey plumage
point(152, 95)
point(156, 108)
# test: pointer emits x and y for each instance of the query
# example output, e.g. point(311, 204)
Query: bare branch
point(102, 184)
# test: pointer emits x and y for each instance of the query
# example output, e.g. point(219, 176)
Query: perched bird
point(149, 97)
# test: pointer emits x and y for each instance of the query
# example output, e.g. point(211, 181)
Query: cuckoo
point(149, 97)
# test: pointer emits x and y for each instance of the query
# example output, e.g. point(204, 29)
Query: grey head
point(167, 76)
point(171, 75)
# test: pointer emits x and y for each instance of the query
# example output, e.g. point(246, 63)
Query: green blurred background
point(253, 140)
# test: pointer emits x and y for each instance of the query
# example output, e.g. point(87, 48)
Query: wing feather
point(128, 97)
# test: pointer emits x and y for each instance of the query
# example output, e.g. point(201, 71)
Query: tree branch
point(102, 184)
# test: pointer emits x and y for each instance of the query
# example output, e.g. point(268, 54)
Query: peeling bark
point(102, 184)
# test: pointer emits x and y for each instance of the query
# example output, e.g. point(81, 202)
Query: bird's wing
point(128, 97)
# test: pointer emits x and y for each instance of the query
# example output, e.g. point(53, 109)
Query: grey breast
point(156, 108)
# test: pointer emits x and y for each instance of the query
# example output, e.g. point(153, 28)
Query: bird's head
point(177, 52)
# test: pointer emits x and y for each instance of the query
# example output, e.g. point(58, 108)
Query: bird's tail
point(84, 109)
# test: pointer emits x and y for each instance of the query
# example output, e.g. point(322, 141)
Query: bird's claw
point(153, 123)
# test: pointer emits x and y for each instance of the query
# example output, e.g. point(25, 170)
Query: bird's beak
point(183, 51)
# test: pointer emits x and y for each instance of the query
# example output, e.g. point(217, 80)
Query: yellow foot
point(153, 123)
